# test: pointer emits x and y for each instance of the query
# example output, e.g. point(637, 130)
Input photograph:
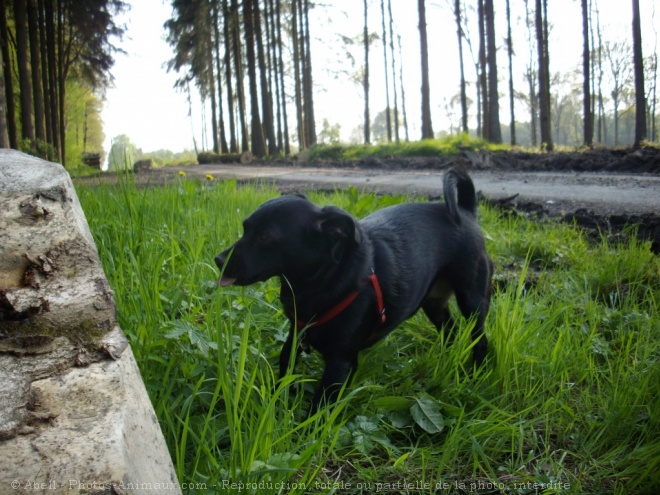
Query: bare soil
point(603, 191)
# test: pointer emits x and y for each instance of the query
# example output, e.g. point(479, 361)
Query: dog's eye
point(264, 238)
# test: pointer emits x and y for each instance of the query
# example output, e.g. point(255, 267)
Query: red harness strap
point(345, 303)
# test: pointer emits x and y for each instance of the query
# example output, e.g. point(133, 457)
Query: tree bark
point(509, 43)
point(483, 72)
point(22, 61)
point(256, 133)
point(365, 78)
point(638, 61)
point(35, 65)
point(12, 131)
point(586, 73)
point(266, 100)
point(388, 116)
point(459, 34)
point(494, 128)
point(544, 77)
point(427, 126)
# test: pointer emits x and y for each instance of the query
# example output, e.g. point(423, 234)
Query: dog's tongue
point(225, 281)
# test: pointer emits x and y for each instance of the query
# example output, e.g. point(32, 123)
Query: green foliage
point(449, 145)
point(568, 398)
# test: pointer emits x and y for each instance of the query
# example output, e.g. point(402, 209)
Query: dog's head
point(288, 236)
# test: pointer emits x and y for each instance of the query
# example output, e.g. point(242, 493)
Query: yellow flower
point(209, 177)
point(182, 173)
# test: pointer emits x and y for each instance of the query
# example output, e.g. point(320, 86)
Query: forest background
point(265, 75)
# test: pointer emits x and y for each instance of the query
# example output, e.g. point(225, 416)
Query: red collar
point(339, 308)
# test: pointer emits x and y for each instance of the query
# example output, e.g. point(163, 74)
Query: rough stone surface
point(51, 280)
point(74, 414)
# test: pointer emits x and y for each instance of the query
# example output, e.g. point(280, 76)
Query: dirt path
point(559, 192)
point(596, 200)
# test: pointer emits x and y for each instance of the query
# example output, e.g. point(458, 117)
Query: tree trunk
point(238, 71)
point(308, 85)
point(586, 72)
point(483, 72)
point(427, 126)
point(266, 100)
point(53, 78)
point(494, 129)
point(273, 77)
point(4, 137)
point(403, 93)
point(12, 131)
point(297, 79)
point(638, 61)
point(365, 78)
point(41, 20)
point(22, 60)
point(280, 61)
point(544, 77)
point(388, 115)
point(227, 31)
point(394, 90)
point(459, 34)
point(218, 71)
point(509, 43)
point(35, 62)
point(256, 133)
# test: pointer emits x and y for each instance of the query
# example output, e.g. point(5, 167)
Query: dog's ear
point(340, 228)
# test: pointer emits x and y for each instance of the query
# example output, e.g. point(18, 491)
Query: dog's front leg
point(337, 371)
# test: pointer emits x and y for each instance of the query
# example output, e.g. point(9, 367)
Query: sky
point(143, 104)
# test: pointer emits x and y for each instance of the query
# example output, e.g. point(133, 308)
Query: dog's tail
point(459, 193)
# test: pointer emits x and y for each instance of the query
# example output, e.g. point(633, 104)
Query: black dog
point(347, 284)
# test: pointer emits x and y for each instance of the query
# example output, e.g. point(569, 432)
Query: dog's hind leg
point(436, 308)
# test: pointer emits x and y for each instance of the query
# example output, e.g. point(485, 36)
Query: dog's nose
point(220, 260)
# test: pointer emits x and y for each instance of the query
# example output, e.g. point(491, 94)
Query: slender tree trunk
point(227, 31)
point(509, 43)
point(214, 114)
point(394, 89)
point(297, 56)
point(53, 77)
point(365, 78)
point(494, 128)
point(544, 78)
point(44, 72)
point(638, 60)
point(403, 93)
point(4, 136)
point(483, 72)
point(586, 72)
point(266, 100)
point(388, 115)
point(308, 85)
point(273, 77)
point(218, 74)
point(238, 71)
point(459, 34)
point(22, 59)
point(35, 63)
point(62, 61)
point(427, 126)
point(280, 61)
point(12, 131)
point(256, 133)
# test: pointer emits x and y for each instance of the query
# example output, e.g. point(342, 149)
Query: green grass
point(449, 145)
point(568, 401)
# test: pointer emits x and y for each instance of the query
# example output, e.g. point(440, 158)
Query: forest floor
point(603, 191)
